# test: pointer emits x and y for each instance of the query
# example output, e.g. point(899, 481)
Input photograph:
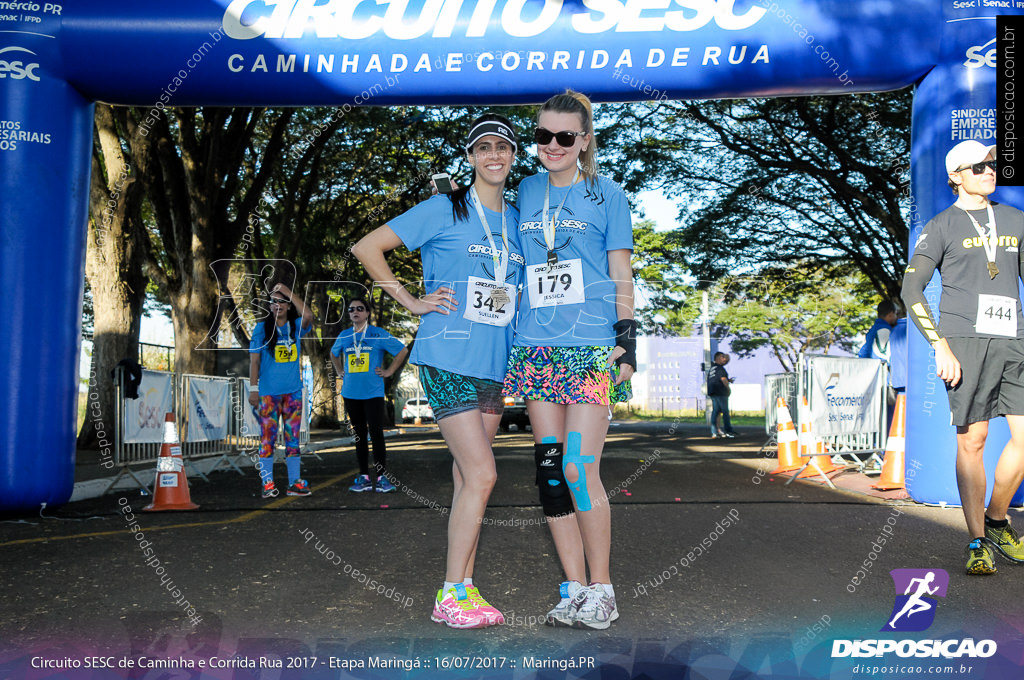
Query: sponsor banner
point(250, 425)
point(208, 408)
point(500, 51)
point(845, 395)
point(144, 417)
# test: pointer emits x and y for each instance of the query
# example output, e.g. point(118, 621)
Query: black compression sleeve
point(919, 273)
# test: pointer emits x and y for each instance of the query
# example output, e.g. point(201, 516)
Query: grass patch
point(689, 416)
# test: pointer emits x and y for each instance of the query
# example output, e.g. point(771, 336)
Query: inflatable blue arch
point(57, 59)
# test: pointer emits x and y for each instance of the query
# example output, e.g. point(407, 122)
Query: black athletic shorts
point(991, 382)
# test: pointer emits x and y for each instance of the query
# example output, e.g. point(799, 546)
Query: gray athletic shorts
point(992, 379)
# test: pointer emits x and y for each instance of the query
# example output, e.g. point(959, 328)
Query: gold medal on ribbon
point(500, 298)
point(992, 270)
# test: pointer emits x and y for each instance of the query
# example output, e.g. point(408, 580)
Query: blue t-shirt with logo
point(452, 251)
point(361, 380)
point(594, 220)
point(279, 365)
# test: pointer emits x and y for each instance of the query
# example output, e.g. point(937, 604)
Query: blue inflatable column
point(954, 103)
point(45, 143)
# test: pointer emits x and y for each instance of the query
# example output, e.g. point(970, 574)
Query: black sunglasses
point(356, 309)
point(278, 301)
point(564, 138)
point(979, 168)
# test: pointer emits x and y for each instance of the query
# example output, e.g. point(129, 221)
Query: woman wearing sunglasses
point(575, 345)
point(358, 358)
point(472, 264)
point(275, 385)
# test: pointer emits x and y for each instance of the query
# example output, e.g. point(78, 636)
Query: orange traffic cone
point(813, 446)
point(893, 470)
point(789, 459)
point(171, 486)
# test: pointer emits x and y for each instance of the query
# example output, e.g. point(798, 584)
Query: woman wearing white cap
point(472, 263)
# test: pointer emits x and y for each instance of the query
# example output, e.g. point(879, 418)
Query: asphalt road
point(719, 572)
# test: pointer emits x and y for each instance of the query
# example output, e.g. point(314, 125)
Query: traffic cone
point(893, 468)
point(789, 459)
point(813, 446)
point(171, 484)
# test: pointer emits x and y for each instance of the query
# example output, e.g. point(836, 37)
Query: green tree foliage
point(792, 310)
point(666, 304)
point(763, 182)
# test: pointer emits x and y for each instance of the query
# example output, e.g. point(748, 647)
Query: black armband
point(625, 337)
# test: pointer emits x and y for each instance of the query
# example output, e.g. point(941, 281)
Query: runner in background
point(472, 265)
point(575, 346)
point(362, 373)
point(275, 385)
point(976, 244)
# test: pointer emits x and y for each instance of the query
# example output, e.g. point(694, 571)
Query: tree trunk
point(324, 412)
point(113, 266)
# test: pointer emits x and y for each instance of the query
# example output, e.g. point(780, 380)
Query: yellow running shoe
point(979, 558)
point(1005, 541)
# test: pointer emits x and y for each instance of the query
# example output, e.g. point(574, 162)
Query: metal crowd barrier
point(777, 385)
point(238, 443)
point(849, 447)
point(127, 454)
point(190, 448)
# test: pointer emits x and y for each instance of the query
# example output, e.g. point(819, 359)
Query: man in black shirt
point(977, 244)
point(718, 392)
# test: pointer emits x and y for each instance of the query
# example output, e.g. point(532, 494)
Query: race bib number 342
point(491, 303)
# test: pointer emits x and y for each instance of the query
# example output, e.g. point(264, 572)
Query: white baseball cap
point(966, 154)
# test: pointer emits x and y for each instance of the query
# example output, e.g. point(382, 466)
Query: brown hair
point(579, 104)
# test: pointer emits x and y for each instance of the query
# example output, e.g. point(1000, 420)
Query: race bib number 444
point(997, 315)
point(561, 284)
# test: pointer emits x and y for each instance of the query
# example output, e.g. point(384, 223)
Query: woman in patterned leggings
point(275, 385)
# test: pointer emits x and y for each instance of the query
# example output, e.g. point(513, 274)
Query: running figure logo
point(914, 610)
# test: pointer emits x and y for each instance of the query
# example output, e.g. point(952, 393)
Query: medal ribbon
point(500, 264)
point(549, 226)
point(990, 242)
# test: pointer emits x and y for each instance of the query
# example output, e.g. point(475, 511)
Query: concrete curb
point(94, 488)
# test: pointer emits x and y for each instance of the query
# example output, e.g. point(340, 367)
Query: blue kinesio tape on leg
point(573, 444)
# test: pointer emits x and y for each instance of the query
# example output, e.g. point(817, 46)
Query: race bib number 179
point(561, 284)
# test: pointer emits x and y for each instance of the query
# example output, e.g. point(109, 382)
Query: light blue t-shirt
point(279, 366)
point(594, 220)
point(361, 380)
point(452, 252)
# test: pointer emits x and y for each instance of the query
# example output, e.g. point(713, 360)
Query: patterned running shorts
point(451, 393)
point(564, 375)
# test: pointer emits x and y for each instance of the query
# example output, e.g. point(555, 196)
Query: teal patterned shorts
point(450, 393)
point(564, 375)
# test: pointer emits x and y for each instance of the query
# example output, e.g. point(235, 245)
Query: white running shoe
point(564, 612)
point(595, 607)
